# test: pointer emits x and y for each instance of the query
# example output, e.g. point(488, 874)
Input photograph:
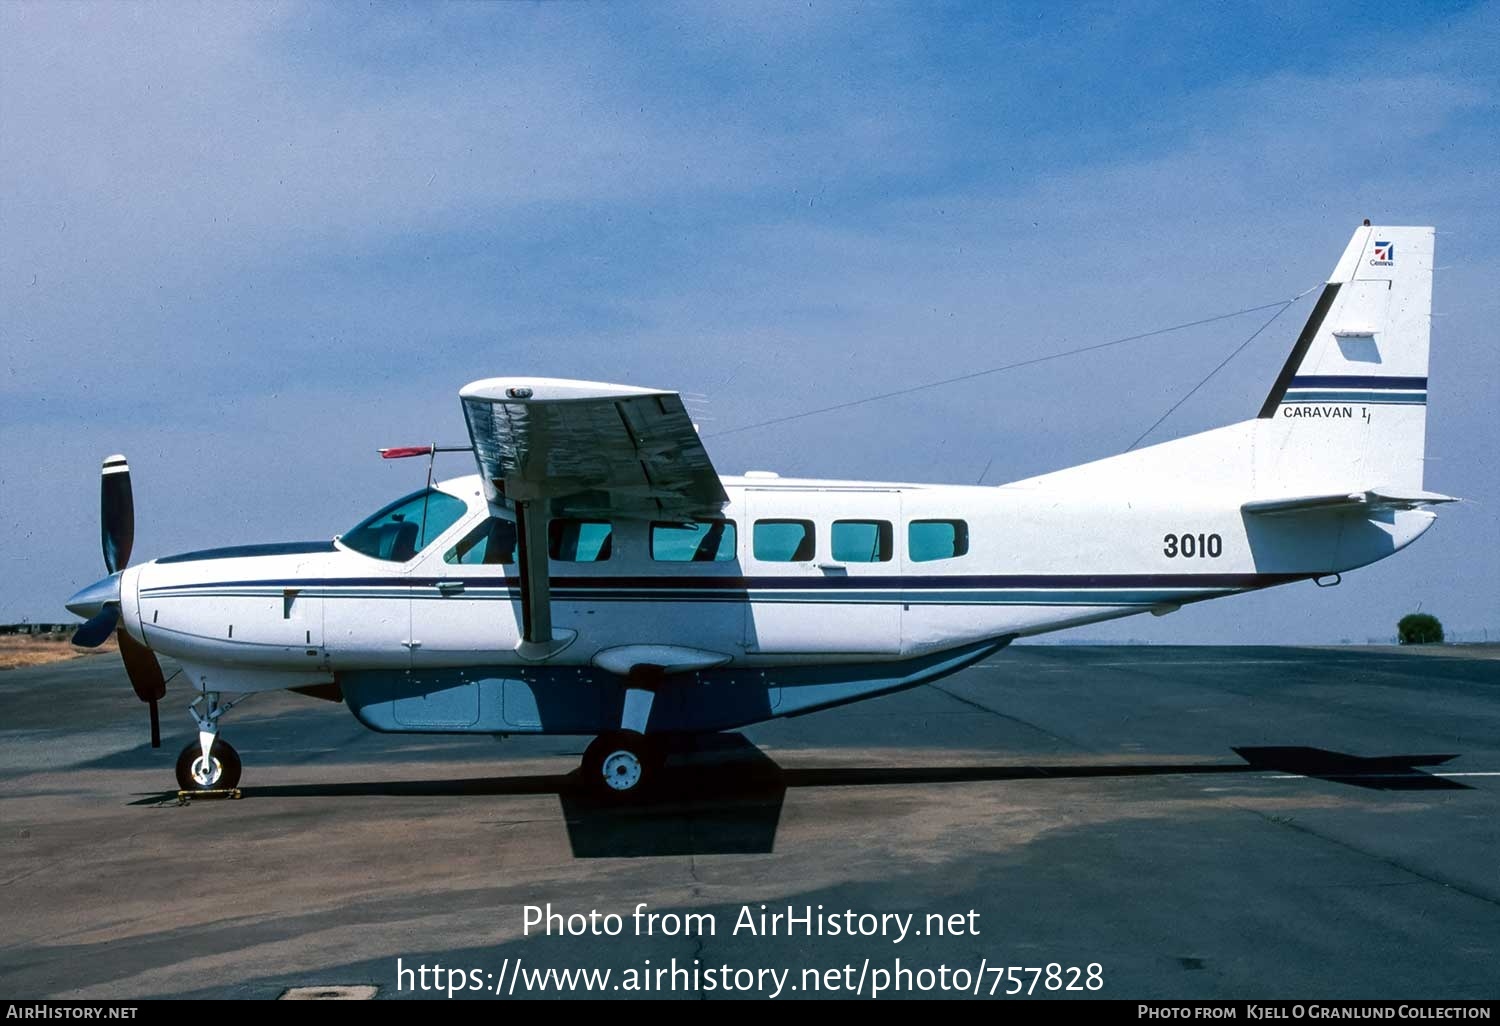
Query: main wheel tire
point(622, 765)
point(222, 773)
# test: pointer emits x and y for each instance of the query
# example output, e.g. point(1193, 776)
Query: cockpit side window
point(492, 542)
point(402, 529)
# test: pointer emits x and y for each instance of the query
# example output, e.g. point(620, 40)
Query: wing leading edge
point(591, 449)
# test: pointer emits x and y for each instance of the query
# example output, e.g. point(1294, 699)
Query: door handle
point(450, 587)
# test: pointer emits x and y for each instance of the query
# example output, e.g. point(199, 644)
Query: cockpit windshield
point(402, 529)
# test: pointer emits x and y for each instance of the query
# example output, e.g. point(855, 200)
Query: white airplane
point(598, 576)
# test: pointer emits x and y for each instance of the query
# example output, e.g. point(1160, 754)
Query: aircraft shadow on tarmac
point(721, 794)
point(1380, 773)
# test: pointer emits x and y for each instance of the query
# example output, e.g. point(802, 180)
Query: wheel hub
point(206, 774)
point(622, 770)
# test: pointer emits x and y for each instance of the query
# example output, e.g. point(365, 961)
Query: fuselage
point(798, 572)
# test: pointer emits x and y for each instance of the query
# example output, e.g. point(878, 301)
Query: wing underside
point(591, 449)
point(582, 449)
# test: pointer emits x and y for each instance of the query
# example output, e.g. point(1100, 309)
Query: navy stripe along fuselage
point(720, 583)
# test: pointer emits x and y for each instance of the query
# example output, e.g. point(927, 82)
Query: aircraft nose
point(91, 600)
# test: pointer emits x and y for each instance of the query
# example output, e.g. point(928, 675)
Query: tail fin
point(1353, 394)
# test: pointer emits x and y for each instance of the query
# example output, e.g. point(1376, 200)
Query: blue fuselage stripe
point(896, 582)
point(1004, 589)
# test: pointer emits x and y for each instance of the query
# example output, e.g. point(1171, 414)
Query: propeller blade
point(117, 537)
point(98, 629)
point(142, 668)
point(116, 513)
point(155, 726)
point(145, 676)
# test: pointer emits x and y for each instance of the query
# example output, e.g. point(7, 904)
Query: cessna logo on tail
point(1385, 255)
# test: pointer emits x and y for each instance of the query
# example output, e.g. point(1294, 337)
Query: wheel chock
point(223, 793)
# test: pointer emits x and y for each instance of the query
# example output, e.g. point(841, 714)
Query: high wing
point(1340, 502)
point(582, 448)
point(591, 449)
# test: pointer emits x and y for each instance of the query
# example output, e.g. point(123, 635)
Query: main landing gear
point(622, 765)
point(208, 764)
point(625, 764)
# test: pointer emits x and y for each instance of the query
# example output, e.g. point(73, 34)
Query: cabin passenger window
point(927, 540)
point(492, 542)
point(580, 541)
point(708, 541)
point(784, 541)
point(862, 541)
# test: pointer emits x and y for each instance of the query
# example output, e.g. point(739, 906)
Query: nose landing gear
point(219, 772)
point(208, 764)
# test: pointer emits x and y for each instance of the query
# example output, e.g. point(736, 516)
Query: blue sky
point(248, 244)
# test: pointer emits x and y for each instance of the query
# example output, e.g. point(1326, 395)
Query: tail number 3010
point(1189, 546)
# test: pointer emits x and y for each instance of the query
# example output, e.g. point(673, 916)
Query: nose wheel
point(210, 763)
point(622, 765)
point(219, 772)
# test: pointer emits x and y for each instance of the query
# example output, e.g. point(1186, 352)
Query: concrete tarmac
point(1198, 822)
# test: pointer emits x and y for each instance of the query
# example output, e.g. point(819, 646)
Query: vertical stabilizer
point(1353, 393)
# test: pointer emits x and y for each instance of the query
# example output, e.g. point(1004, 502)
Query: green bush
point(1419, 629)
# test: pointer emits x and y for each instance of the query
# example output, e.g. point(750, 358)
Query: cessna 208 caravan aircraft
point(599, 577)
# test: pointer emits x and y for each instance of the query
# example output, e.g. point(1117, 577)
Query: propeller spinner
point(100, 601)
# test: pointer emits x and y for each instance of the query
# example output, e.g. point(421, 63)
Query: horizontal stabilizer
point(1340, 502)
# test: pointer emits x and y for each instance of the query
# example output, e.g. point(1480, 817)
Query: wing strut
point(536, 590)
